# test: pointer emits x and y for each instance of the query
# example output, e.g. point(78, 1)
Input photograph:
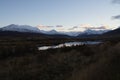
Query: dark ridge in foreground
point(28, 34)
point(113, 32)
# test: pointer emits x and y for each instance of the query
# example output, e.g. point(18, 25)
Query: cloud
point(59, 26)
point(101, 27)
point(116, 1)
point(116, 17)
point(42, 26)
point(49, 26)
point(86, 27)
point(73, 28)
point(95, 28)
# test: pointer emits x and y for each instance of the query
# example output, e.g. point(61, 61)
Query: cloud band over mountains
point(82, 28)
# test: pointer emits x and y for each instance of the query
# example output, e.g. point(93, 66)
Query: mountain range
point(35, 30)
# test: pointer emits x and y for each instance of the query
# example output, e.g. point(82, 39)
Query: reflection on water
point(68, 44)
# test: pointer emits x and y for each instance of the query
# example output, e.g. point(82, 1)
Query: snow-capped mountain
point(90, 31)
point(20, 28)
point(72, 33)
point(50, 32)
point(27, 28)
point(87, 32)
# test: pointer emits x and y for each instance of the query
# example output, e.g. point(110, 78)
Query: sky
point(60, 13)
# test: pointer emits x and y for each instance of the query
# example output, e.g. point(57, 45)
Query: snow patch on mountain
point(50, 32)
point(20, 28)
point(90, 31)
point(27, 28)
point(71, 33)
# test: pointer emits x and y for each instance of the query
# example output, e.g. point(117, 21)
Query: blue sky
point(68, 13)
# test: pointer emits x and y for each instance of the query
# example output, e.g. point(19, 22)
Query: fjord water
point(68, 44)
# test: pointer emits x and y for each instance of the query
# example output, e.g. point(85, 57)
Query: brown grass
point(87, 62)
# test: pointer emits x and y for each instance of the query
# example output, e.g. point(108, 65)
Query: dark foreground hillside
point(86, 62)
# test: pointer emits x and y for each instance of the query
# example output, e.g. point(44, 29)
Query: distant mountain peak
point(12, 25)
point(31, 29)
point(20, 28)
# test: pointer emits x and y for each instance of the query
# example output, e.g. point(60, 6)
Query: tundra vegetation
point(20, 59)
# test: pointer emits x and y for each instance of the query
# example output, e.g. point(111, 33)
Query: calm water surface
point(68, 44)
